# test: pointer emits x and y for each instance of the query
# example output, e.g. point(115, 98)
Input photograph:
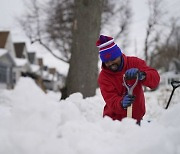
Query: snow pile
point(32, 122)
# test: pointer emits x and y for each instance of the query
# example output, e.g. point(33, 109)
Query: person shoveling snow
point(123, 99)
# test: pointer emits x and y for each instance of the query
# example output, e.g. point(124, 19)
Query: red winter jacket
point(113, 90)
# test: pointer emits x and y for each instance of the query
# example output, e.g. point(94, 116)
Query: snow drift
point(32, 122)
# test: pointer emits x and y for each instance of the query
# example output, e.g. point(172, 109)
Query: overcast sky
point(9, 9)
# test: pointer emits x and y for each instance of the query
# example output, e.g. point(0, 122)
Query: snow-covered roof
point(3, 52)
point(34, 68)
point(20, 61)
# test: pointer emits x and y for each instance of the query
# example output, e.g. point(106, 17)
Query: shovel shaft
point(170, 98)
point(129, 111)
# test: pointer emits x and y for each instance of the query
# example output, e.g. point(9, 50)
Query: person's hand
point(127, 101)
point(132, 73)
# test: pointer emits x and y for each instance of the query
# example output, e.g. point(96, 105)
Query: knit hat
point(108, 50)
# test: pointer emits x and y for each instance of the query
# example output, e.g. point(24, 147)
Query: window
point(3, 74)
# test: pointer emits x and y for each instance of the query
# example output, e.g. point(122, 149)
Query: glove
point(127, 101)
point(133, 72)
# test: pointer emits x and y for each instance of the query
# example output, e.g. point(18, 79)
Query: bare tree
point(35, 23)
point(72, 27)
point(169, 50)
point(59, 25)
point(152, 36)
point(121, 14)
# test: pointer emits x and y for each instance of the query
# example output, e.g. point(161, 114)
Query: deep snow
point(32, 122)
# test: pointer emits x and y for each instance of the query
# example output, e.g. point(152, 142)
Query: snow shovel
point(175, 84)
point(130, 93)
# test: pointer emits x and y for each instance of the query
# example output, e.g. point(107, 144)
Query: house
point(8, 72)
point(8, 64)
point(40, 62)
point(16, 61)
point(51, 81)
point(174, 65)
point(35, 68)
point(22, 57)
point(174, 72)
point(6, 42)
point(167, 77)
point(21, 50)
point(52, 72)
point(32, 57)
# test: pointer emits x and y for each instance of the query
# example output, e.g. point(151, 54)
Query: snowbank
point(32, 122)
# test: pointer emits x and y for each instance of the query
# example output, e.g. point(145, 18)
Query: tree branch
point(47, 48)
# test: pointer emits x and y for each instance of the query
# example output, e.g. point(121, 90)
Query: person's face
point(113, 65)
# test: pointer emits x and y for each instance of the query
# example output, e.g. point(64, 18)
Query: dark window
point(3, 74)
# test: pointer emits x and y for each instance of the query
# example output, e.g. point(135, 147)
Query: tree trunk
point(82, 76)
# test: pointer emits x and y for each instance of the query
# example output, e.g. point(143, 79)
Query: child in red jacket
point(114, 66)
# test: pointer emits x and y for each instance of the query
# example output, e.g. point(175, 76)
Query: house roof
point(7, 57)
point(3, 52)
point(19, 48)
point(3, 38)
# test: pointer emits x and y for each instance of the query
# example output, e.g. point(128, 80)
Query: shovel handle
point(129, 111)
point(175, 84)
point(130, 92)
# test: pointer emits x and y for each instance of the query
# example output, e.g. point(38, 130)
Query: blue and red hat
point(108, 50)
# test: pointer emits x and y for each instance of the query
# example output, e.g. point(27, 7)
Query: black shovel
point(175, 84)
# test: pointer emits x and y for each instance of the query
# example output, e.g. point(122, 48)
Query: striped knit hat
point(108, 50)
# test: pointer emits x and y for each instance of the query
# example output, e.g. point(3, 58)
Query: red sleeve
point(110, 95)
point(152, 76)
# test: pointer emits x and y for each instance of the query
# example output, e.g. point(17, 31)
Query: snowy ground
point(32, 122)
